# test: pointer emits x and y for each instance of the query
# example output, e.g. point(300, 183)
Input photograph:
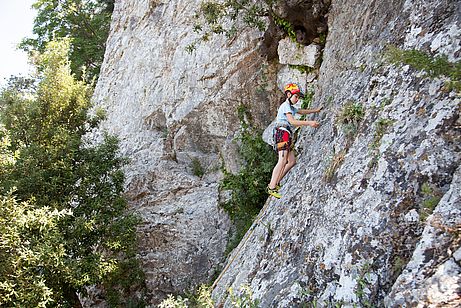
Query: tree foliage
point(433, 66)
point(248, 186)
point(71, 219)
point(30, 243)
point(85, 22)
point(251, 13)
point(224, 17)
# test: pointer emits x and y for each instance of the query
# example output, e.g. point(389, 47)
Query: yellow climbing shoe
point(274, 193)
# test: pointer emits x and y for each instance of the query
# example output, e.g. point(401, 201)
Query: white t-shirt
point(285, 108)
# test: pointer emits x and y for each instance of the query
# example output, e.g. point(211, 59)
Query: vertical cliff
point(172, 109)
point(370, 215)
point(354, 226)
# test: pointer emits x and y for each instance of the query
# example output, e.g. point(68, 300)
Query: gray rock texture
point(296, 54)
point(432, 277)
point(172, 109)
point(368, 217)
point(354, 226)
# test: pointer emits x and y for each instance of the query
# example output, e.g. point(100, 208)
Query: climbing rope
point(242, 244)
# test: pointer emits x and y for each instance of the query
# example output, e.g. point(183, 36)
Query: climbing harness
point(282, 135)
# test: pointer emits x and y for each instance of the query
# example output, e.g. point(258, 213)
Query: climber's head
point(293, 92)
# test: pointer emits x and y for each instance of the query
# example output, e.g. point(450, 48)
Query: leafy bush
point(31, 244)
point(47, 164)
point(172, 302)
point(433, 66)
point(85, 22)
point(286, 26)
point(243, 298)
point(351, 116)
point(302, 68)
point(431, 198)
point(197, 168)
point(249, 185)
point(382, 126)
point(306, 101)
point(226, 17)
point(202, 299)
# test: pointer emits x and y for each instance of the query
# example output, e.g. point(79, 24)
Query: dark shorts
point(282, 140)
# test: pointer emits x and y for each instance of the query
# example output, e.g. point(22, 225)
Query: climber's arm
point(309, 111)
point(295, 122)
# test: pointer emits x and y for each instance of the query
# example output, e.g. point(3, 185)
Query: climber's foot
point(274, 192)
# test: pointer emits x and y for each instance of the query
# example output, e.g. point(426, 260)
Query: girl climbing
point(283, 135)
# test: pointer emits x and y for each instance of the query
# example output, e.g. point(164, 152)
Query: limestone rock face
point(291, 53)
point(368, 215)
point(434, 280)
point(173, 110)
point(371, 216)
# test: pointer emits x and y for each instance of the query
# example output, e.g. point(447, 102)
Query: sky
point(16, 21)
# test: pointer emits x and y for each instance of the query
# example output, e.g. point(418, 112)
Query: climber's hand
point(314, 124)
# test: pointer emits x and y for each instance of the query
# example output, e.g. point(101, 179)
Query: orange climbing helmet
point(293, 89)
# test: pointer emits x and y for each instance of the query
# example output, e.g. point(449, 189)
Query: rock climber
point(283, 136)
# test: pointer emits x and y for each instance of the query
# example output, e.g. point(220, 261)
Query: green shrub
point(243, 298)
point(306, 101)
point(85, 22)
point(433, 66)
point(302, 68)
point(172, 302)
point(197, 168)
point(46, 162)
point(202, 299)
point(351, 116)
point(248, 186)
point(31, 244)
point(431, 198)
point(363, 286)
point(322, 39)
point(286, 26)
point(381, 127)
point(230, 16)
